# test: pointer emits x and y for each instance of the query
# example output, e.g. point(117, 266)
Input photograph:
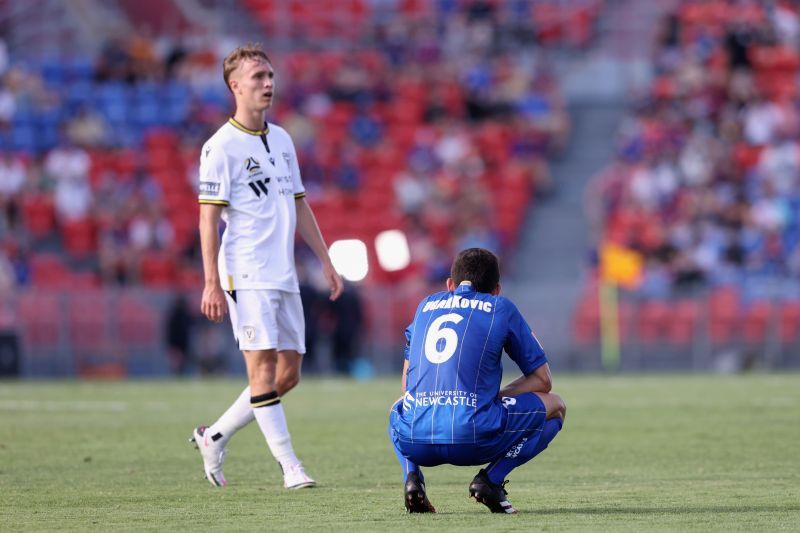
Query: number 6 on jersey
point(438, 333)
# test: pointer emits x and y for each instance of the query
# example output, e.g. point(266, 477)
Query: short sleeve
point(407, 348)
point(521, 344)
point(215, 177)
point(411, 327)
point(294, 166)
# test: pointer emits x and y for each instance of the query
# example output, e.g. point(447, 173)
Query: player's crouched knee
point(561, 407)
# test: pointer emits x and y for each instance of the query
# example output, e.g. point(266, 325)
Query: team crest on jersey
point(286, 157)
point(252, 165)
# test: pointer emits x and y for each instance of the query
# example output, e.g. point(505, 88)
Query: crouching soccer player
point(452, 410)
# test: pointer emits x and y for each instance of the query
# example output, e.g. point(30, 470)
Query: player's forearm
point(310, 232)
point(209, 246)
point(531, 383)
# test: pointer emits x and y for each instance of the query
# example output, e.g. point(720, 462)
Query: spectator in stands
point(450, 80)
point(716, 205)
point(88, 129)
point(8, 280)
point(12, 182)
point(114, 63)
point(348, 327)
point(8, 104)
point(178, 332)
point(68, 166)
point(149, 229)
point(313, 300)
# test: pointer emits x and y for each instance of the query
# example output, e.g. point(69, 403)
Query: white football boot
point(213, 454)
point(295, 477)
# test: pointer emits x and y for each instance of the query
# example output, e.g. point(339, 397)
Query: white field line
point(76, 406)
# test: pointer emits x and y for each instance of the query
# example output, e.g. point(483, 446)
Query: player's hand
point(213, 304)
point(334, 280)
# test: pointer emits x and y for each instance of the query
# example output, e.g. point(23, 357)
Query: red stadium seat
point(157, 269)
point(138, 322)
point(586, 319)
point(724, 315)
point(652, 317)
point(682, 326)
point(38, 214)
point(79, 237)
point(40, 319)
point(757, 317)
point(89, 317)
point(789, 324)
point(49, 271)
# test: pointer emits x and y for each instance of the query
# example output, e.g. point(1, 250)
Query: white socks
point(238, 415)
point(269, 414)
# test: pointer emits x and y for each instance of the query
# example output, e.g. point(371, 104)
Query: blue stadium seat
point(147, 114)
point(49, 118)
point(24, 139)
point(115, 112)
point(47, 139)
point(175, 90)
point(53, 70)
point(80, 68)
point(79, 92)
point(146, 92)
point(113, 93)
point(176, 112)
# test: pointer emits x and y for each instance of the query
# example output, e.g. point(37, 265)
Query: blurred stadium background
point(635, 164)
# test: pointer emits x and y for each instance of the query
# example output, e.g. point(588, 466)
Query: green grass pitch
point(637, 453)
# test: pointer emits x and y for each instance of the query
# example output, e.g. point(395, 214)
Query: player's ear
point(496, 291)
point(451, 285)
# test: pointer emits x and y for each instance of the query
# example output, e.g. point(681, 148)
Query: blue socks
point(524, 451)
point(405, 463)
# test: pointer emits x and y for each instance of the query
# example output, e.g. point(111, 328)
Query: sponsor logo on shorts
point(249, 333)
point(514, 451)
point(507, 401)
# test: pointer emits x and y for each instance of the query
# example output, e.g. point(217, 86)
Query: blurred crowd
point(441, 126)
point(706, 185)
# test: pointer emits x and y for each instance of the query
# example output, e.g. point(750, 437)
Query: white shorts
point(265, 319)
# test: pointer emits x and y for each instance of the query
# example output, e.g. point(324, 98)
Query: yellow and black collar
point(232, 121)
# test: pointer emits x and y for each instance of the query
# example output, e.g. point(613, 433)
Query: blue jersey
point(454, 349)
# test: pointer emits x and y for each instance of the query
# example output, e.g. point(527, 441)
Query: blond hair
point(242, 53)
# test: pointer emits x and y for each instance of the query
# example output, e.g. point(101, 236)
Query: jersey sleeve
point(407, 347)
point(294, 165)
point(521, 344)
point(411, 327)
point(215, 176)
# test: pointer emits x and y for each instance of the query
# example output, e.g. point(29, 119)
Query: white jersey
point(255, 175)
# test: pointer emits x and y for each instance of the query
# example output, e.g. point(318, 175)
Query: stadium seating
point(715, 256)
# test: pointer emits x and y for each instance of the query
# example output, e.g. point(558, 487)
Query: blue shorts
point(525, 418)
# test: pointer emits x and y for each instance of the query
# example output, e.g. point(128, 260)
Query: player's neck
point(250, 119)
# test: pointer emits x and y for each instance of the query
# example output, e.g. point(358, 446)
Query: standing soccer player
point(250, 178)
point(452, 410)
